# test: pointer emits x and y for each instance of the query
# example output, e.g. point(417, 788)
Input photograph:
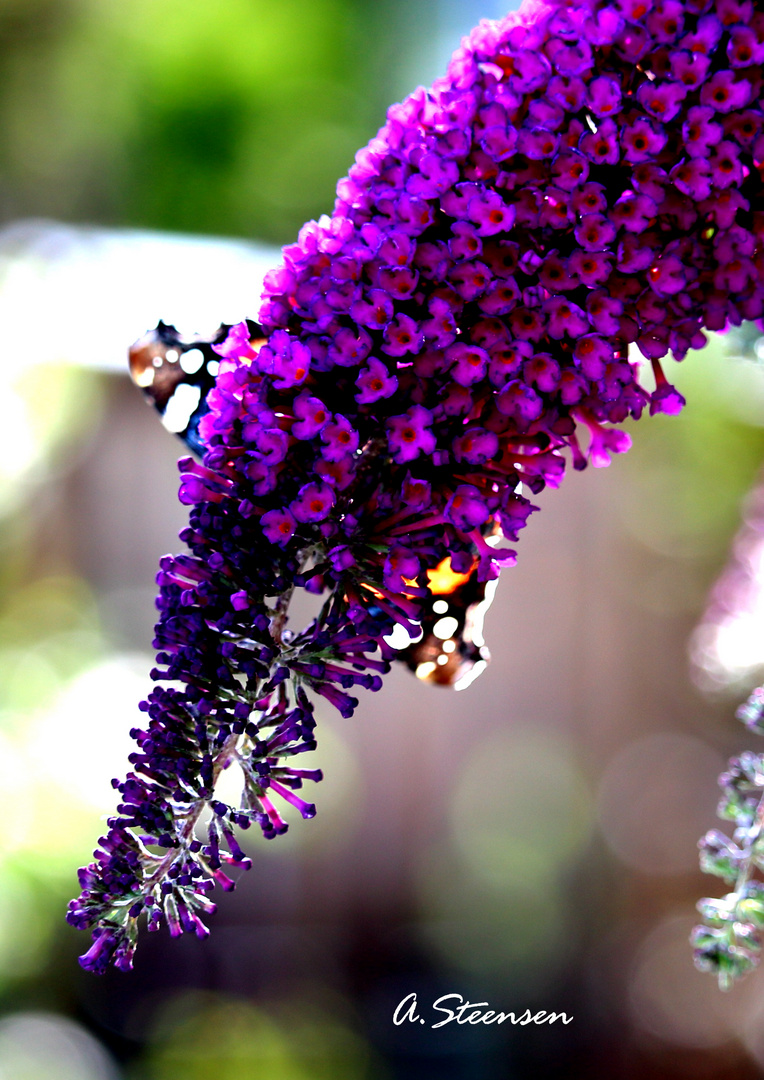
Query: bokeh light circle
point(653, 802)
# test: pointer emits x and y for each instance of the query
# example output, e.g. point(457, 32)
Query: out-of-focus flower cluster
point(584, 178)
point(729, 944)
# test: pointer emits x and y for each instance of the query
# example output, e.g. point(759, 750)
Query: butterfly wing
point(176, 376)
point(451, 651)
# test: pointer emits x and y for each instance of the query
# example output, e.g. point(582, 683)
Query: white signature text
point(457, 1010)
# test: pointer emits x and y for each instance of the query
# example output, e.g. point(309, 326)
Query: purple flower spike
point(586, 177)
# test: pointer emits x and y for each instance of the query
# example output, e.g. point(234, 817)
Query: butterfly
point(451, 650)
point(176, 377)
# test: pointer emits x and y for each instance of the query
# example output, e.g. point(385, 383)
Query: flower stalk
point(730, 940)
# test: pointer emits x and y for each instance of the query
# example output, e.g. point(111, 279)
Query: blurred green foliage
point(294, 1040)
point(234, 118)
point(688, 475)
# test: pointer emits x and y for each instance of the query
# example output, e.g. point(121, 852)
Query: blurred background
point(530, 842)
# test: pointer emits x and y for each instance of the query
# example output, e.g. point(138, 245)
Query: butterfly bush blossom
point(584, 179)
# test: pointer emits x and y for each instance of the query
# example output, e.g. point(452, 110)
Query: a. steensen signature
point(456, 1009)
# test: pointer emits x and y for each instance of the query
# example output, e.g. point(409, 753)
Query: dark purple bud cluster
point(584, 179)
